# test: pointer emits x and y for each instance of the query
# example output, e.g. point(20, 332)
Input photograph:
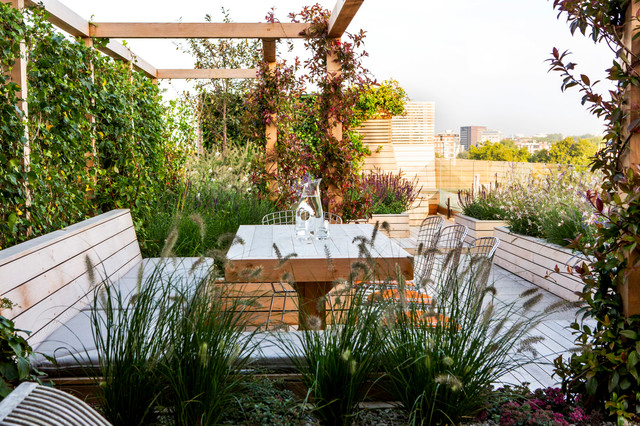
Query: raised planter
point(478, 228)
point(535, 260)
point(398, 224)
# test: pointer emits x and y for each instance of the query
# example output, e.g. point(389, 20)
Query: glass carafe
point(309, 214)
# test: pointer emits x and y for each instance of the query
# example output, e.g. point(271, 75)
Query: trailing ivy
point(97, 134)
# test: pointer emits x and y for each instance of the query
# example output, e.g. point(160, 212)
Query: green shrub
point(441, 358)
point(337, 363)
point(483, 204)
point(563, 223)
point(215, 201)
point(206, 351)
point(392, 193)
point(15, 354)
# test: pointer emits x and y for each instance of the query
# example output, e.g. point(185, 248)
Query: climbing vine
point(305, 122)
point(605, 371)
point(97, 135)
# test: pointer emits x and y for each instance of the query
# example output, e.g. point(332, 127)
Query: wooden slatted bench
point(51, 279)
point(48, 278)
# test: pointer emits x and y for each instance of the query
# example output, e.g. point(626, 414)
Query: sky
point(483, 62)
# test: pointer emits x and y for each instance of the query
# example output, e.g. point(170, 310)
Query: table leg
point(312, 304)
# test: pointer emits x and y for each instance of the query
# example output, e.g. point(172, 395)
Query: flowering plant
point(518, 406)
point(392, 193)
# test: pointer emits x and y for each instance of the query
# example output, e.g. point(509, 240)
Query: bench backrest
point(48, 277)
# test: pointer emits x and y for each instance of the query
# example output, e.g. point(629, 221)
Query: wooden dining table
point(270, 253)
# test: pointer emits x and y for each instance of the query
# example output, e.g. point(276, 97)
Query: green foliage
point(498, 152)
point(15, 354)
point(208, 350)
point(264, 402)
point(214, 202)
point(78, 166)
point(605, 372)
point(572, 151)
point(130, 339)
point(483, 204)
point(317, 149)
point(562, 223)
point(392, 193)
point(221, 102)
point(336, 363)
point(540, 156)
point(12, 135)
point(441, 358)
point(172, 343)
point(380, 101)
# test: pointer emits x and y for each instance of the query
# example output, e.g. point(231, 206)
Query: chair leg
point(273, 296)
point(284, 307)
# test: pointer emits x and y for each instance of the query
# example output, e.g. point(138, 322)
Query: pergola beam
point(206, 73)
point(63, 17)
point(118, 51)
point(69, 21)
point(197, 30)
point(341, 17)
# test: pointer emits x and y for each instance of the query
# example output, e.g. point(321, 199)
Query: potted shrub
point(481, 212)
point(392, 196)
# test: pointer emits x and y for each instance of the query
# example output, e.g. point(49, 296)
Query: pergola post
point(19, 76)
point(334, 69)
point(630, 290)
point(271, 129)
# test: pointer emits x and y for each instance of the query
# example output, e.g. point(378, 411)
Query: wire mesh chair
point(427, 242)
point(422, 266)
point(481, 252)
point(449, 248)
point(288, 217)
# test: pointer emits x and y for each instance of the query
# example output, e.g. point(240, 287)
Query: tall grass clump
point(215, 200)
point(337, 364)
point(441, 358)
point(207, 349)
point(130, 337)
point(175, 344)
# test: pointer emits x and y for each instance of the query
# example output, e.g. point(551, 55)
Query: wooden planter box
point(477, 228)
point(398, 224)
point(535, 260)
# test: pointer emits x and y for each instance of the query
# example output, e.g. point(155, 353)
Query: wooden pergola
point(341, 16)
point(67, 20)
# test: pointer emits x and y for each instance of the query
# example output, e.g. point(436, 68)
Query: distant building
point(470, 136)
point(447, 144)
point(532, 145)
point(492, 136)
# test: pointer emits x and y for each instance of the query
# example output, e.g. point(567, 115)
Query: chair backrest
point(481, 253)
point(427, 240)
point(484, 247)
point(452, 237)
point(31, 404)
point(333, 218)
point(284, 217)
point(449, 247)
point(288, 217)
point(429, 229)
